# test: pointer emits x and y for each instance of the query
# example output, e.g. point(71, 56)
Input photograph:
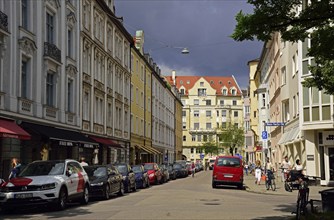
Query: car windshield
point(228, 162)
point(137, 169)
point(43, 168)
point(177, 166)
point(122, 169)
point(95, 171)
point(148, 167)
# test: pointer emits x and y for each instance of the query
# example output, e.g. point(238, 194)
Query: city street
point(188, 198)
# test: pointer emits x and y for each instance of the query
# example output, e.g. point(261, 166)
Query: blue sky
point(203, 26)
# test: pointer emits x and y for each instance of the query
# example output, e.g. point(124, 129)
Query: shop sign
point(328, 137)
point(66, 143)
point(88, 146)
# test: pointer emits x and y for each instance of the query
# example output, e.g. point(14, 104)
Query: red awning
point(105, 141)
point(9, 129)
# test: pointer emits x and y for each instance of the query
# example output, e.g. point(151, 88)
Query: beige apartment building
point(209, 103)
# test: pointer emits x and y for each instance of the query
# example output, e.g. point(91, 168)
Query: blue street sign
point(275, 123)
point(264, 135)
point(202, 156)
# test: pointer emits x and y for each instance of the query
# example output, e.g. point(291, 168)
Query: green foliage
point(232, 137)
point(210, 147)
point(315, 21)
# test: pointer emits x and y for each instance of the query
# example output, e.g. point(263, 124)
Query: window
point(201, 92)
point(247, 126)
point(196, 126)
point(196, 113)
point(196, 102)
point(236, 114)
point(234, 102)
point(184, 125)
point(184, 138)
point(50, 89)
point(24, 5)
point(263, 100)
point(224, 91)
point(70, 95)
point(205, 137)
point(224, 113)
point(199, 137)
point(191, 150)
point(49, 28)
point(86, 106)
point(193, 137)
point(182, 91)
point(285, 111)
point(208, 113)
point(283, 73)
point(181, 82)
point(24, 79)
point(132, 93)
point(201, 84)
point(184, 113)
point(223, 124)
point(208, 125)
point(69, 43)
point(208, 102)
point(254, 113)
point(217, 113)
point(233, 91)
point(221, 102)
point(236, 125)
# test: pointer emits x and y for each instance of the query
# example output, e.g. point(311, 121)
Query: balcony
point(52, 51)
point(3, 21)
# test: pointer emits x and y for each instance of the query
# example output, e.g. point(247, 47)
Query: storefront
point(50, 143)
point(326, 156)
point(12, 139)
point(110, 151)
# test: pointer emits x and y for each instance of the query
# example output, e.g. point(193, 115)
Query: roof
point(216, 82)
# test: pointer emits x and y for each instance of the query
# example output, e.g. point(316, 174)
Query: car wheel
point(107, 192)
point(85, 196)
point(62, 199)
point(240, 186)
point(148, 183)
point(214, 185)
point(121, 190)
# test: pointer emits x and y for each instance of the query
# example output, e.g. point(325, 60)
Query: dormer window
point(188, 82)
point(224, 91)
point(181, 82)
point(201, 84)
point(211, 82)
point(234, 92)
point(220, 82)
point(182, 91)
point(229, 82)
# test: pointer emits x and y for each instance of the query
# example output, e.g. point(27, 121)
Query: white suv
point(46, 182)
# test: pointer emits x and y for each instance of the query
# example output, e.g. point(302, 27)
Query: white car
point(46, 182)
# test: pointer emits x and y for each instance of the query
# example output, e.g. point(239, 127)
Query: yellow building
point(141, 113)
point(254, 112)
point(208, 103)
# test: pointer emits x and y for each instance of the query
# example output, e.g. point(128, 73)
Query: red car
point(153, 172)
point(228, 170)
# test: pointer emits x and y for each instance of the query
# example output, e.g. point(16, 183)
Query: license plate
point(23, 196)
point(228, 176)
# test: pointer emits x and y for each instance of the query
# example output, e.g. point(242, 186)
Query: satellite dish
point(185, 51)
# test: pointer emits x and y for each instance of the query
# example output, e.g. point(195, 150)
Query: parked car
point(53, 182)
point(228, 170)
point(171, 171)
point(180, 170)
point(154, 173)
point(164, 172)
point(141, 175)
point(129, 179)
point(104, 181)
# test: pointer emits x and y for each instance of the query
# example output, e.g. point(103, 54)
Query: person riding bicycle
point(286, 167)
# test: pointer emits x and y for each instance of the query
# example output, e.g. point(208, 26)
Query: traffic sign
point(264, 135)
point(202, 156)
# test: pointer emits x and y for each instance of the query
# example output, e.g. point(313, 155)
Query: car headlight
point(97, 184)
point(48, 186)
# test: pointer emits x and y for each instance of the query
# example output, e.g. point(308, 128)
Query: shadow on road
point(288, 208)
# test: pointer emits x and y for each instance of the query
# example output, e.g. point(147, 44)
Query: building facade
point(249, 135)
point(209, 103)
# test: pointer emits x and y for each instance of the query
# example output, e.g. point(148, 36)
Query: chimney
point(173, 76)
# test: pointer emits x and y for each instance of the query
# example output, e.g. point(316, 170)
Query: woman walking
point(258, 172)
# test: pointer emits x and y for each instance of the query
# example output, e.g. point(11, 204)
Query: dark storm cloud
point(204, 26)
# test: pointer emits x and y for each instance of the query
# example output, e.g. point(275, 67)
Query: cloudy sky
point(203, 26)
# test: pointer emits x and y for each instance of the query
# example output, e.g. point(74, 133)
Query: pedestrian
point(258, 172)
point(205, 165)
point(16, 168)
point(298, 166)
point(193, 169)
point(246, 169)
point(286, 167)
point(83, 162)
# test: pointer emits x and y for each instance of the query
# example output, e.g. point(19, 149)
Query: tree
point(210, 147)
point(232, 137)
point(315, 21)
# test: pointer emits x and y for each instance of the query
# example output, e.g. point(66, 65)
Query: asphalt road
point(188, 198)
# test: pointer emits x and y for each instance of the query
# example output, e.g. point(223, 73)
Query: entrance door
point(331, 163)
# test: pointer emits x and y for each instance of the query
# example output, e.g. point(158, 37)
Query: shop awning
point(149, 149)
point(289, 136)
point(9, 129)
point(105, 141)
point(65, 137)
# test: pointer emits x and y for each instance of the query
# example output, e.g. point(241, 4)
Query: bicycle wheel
point(298, 211)
point(267, 184)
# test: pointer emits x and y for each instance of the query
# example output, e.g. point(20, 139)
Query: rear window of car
point(228, 162)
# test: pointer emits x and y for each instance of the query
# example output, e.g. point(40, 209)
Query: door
point(331, 163)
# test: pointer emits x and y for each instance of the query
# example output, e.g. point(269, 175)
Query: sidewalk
point(250, 186)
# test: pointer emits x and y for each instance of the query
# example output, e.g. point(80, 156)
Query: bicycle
point(270, 180)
